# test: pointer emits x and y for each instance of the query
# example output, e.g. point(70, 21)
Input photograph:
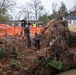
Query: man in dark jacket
point(37, 40)
point(27, 34)
point(23, 24)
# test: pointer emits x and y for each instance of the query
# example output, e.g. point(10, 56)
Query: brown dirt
point(57, 43)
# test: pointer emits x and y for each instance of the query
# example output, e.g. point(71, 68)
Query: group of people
point(26, 27)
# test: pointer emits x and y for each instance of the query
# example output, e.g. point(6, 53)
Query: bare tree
point(72, 11)
point(30, 10)
point(7, 5)
point(54, 6)
point(25, 10)
point(36, 7)
point(74, 7)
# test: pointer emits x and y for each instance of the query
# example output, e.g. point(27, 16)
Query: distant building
point(18, 22)
point(71, 19)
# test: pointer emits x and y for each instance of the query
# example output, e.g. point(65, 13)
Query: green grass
point(72, 28)
point(56, 64)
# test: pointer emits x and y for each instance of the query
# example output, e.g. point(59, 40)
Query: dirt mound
point(57, 44)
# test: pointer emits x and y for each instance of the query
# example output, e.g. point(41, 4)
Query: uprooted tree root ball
point(57, 53)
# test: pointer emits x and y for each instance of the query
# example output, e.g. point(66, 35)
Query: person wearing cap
point(27, 34)
point(23, 24)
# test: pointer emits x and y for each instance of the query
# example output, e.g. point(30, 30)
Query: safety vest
point(34, 25)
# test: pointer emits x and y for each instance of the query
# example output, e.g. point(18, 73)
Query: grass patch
point(72, 28)
point(56, 64)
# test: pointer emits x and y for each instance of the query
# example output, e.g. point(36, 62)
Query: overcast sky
point(48, 3)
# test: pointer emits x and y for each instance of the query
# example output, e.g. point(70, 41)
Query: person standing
point(34, 24)
point(27, 34)
point(23, 24)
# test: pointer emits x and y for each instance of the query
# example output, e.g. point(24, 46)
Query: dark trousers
point(28, 39)
point(37, 44)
